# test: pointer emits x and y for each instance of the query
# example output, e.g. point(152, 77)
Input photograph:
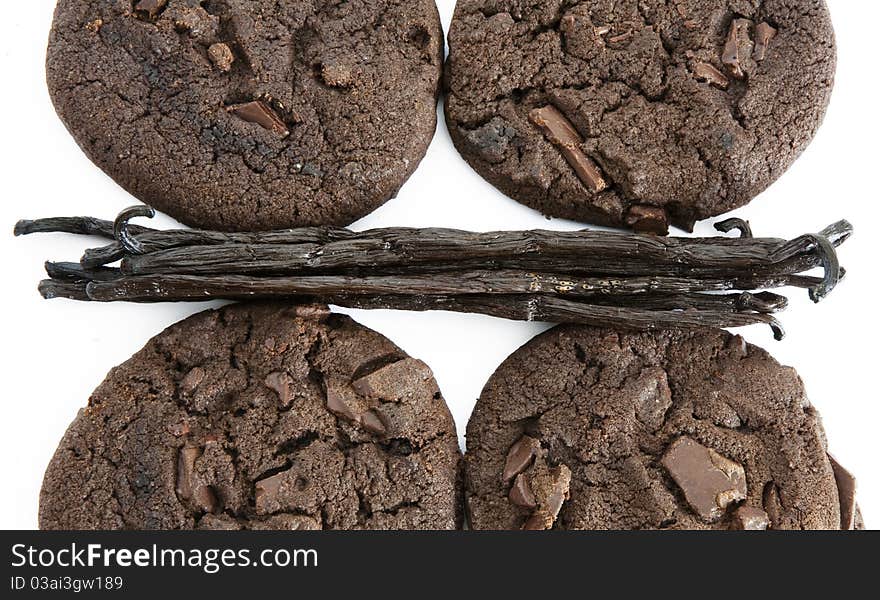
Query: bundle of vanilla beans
point(588, 277)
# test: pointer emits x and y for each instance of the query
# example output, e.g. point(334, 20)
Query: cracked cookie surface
point(687, 109)
point(250, 114)
point(262, 416)
point(587, 428)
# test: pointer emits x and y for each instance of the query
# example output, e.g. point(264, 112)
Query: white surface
point(55, 353)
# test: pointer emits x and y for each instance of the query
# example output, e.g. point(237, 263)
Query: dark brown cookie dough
point(250, 114)
point(260, 417)
point(637, 113)
point(586, 428)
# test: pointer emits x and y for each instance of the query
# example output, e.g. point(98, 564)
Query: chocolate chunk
point(561, 480)
point(846, 490)
point(560, 132)
point(341, 403)
point(710, 482)
point(772, 503)
point(372, 422)
point(281, 384)
point(222, 57)
point(192, 379)
point(521, 493)
point(189, 488)
point(764, 33)
point(648, 219)
point(749, 518)
point(651, 397)
point(394, 381)
point(95, 26)
point(730, 56)
point(149, 8)
point(267, 491)
point(534, 523)
point(708, 73)
point(551, 490)
point(262, 114)
point(520, 456)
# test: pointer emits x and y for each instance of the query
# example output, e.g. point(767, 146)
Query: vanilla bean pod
point(589, 277)
point(526, 307)
point(559, 310)
point(75, 272)
point(637, 256)
point(187, 287)
point(489, 281)
point(75, 225)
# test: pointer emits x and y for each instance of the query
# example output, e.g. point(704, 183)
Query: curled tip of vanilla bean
point(838, 233)
point(778, 331)
point(830, 263)
point(764, 302)
point(23, 227)
point(740, 225)
point(121, 231)
point(51, 288)
point(75, 225)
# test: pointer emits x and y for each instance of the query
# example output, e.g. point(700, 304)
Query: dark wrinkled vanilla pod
point(590, 277)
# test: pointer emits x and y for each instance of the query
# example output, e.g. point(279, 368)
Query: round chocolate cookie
point(260, 417)
point(637, 114)
point(586, 428)
point(250, 114)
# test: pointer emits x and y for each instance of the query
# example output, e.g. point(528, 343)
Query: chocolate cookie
point(260, 417)
point(586, 428)
point(637, 114)
point(250, 114)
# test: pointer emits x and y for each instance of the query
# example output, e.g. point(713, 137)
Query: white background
point(55, 353)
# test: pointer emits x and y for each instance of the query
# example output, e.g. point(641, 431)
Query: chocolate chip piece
point(772, 502)
point(149, 8)
point(372, 422)
point(846, 489)
point(648, 219)
point(561, 481)
point(749, 518)
point(281, 384)
point(192, 379)
point(730, 56)
point(262, 114)
point(267, 491)
point(651, 397)
point(520, 456)
point(222, 57)
point(341, 402)
point(534, 523)
point(561, 133)
point(189, 488)
point(764, 33)
point(710, 74)
point(394, 381)
point(710, 482)
point(95, 26)
point(521, 493)
point(551, 489)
